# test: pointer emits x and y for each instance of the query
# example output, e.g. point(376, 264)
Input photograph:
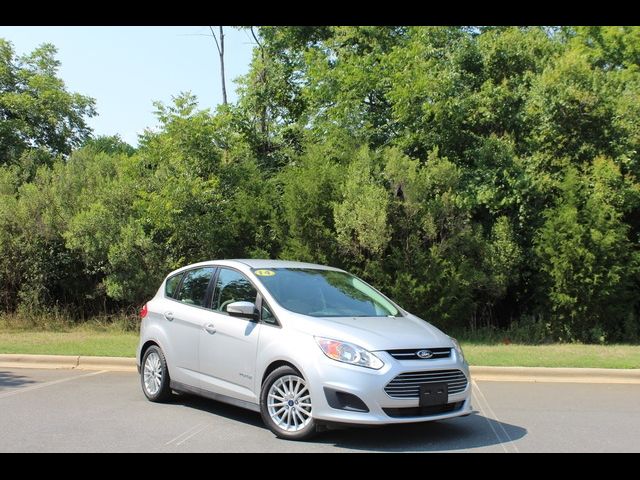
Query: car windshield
point(324, 293)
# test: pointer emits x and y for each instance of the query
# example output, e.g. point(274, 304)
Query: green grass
point(114, 336)
point(73, 342)
point(556, 355)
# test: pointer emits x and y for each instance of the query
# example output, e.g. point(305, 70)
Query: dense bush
point(485, 178)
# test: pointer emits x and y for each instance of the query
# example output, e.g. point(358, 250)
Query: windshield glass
point(324, 293)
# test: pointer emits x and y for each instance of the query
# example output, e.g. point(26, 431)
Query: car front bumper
point(368, 385)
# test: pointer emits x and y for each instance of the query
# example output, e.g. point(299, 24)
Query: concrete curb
point(117, 364)
point(547, 374)
point(78, 362)
point(495, 374)
point(38, 361)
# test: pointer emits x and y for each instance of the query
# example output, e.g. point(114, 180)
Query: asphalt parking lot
point(80, 411)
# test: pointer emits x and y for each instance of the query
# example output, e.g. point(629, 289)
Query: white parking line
point(179, 438)
point(486, 416)
point(47, 384)
point(204, 427)
point(488, 413)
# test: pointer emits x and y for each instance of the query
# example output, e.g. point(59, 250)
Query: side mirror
point(242, 309)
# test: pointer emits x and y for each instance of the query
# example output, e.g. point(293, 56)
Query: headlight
point(456, 345)
point(349, 353)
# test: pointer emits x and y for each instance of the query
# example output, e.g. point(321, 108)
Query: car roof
point(265, 263)
point(252, 263)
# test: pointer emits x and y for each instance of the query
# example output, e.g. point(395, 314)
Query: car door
point(185, 315)
point(228, 344)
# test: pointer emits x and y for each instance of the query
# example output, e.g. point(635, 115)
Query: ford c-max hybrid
point(305, 345)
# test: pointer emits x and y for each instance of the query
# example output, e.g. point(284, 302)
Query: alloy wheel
point(152, 373)
point(289, 403)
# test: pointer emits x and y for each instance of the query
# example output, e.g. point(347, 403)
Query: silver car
point(308, 346)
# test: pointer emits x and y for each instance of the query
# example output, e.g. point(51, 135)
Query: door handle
point(210, 328)
point(168, 316)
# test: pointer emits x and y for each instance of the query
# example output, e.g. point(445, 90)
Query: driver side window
point(231, 286)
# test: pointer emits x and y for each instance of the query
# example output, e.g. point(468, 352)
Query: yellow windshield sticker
point(265, 273)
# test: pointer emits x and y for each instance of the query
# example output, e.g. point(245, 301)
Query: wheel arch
point(155, 339)
point(146, 345)
point(277, 364)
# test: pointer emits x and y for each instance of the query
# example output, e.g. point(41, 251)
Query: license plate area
point(432, 394)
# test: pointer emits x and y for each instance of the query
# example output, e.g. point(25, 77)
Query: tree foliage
point(37, 113)
point(481, 176)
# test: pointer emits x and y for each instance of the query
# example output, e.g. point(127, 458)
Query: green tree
point(587, 259)
point(36, 110)
point(435, 259)
point(361, 215)
point(309, 187)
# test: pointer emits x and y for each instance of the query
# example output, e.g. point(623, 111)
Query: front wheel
point(155, 375)
point(285, 405)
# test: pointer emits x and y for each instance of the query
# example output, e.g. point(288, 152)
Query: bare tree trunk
point(262, 77)
point(220, 47)
point(224, 83)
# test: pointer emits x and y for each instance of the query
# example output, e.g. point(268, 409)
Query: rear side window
point(171, 287)
point(194, 286)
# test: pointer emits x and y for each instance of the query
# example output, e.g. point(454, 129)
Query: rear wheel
point(154, 375)
point(285, 405)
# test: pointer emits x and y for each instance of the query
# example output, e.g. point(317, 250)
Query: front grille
point(411, 353)
point(422, 411)
point(407, 385)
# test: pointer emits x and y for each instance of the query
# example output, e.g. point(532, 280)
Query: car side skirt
point(181, 387)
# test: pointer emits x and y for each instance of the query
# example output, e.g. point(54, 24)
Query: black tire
point(163, 393)
point(307, 431)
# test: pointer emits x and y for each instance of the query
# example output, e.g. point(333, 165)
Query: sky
point(126, 69)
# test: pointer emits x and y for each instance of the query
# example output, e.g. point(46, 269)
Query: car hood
point(374, 333)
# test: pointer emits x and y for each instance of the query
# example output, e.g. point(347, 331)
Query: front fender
point(276, 345)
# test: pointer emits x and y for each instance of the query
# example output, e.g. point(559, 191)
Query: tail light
point(144, 311)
